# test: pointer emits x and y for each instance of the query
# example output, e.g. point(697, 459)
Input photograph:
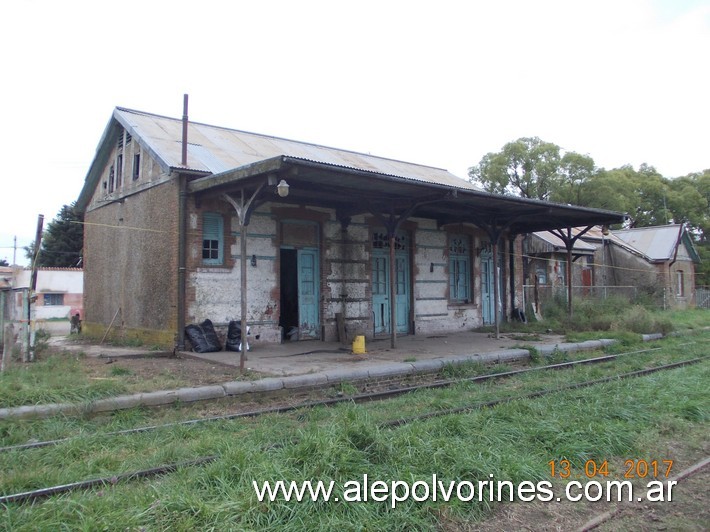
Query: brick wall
point(130, 264)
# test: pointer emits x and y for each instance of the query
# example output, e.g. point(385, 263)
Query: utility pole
point(32, 297)
point(14, 250)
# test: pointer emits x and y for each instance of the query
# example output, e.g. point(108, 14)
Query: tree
point(62, 241)
point(527, 167)
point(3, 262)
point(691, 197)
point(574, 173)
point(690, 202)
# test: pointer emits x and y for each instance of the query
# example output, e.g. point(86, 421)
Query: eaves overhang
point(353, 191)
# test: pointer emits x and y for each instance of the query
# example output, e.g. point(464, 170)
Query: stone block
point(301, 381)
point(159, 398)
point(270, 384)
point(389, 370)
point(427, 366)
point(341, 375)
point(200, 393)
point(116, 403)
point(237, 387)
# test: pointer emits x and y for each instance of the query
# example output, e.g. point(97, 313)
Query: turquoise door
point(308, 314)
point(381, 291)
point(487, 292)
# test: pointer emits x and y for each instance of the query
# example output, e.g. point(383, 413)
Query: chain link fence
point(702, 297)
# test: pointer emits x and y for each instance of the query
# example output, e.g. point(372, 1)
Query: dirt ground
point(159, 371)
point(688, 510)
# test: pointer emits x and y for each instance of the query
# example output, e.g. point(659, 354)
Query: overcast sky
point(436, 83)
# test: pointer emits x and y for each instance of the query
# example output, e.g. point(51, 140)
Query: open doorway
point(289, 294)
point(299, 293)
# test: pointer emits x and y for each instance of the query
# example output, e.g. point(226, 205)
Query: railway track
point(377, 395)
point(37, 494)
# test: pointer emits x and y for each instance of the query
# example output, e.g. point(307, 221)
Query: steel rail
point(115, 479)
point(359, 398)
point(105, 481)
point(539, 393)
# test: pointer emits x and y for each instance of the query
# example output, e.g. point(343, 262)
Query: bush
point(639, 320)
point(610, 314)
point(42, 337)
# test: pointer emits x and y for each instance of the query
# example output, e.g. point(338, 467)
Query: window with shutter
point(212, 238)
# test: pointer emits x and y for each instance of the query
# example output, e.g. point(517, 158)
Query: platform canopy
point(352, 191)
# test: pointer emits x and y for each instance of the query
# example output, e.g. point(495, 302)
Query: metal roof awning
point(352, 191)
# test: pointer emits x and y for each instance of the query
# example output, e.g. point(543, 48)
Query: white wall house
point(59, 291)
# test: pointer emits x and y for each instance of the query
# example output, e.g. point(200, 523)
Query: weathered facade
point(59, 292)
point(193, 228)
point(545, 261)
point(649, 262)
point(657, 261)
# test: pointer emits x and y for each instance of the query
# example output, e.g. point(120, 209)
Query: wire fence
point(535, 297)
point(541, 295)
point(702, 297)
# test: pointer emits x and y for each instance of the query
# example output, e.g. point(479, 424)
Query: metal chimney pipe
point(184, 131)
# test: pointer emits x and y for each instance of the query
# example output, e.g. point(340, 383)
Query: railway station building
point(186, 221)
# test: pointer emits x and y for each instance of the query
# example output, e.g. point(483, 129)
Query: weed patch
point(118, 371)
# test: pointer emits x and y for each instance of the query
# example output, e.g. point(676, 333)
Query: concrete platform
point(313, 356)
point(313, 364)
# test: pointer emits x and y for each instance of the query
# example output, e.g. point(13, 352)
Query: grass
point(605, 318)
point(57, 378)
point(643, 417)
point(514, 441)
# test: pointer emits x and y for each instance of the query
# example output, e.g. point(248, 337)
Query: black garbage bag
point(234, 336)
point(203, 337)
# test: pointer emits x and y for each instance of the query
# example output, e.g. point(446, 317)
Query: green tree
point(609, 189)
point(527, 167)
point(690, 202)
point(3, 262)
point(574, 173)
point(690, 199)
point(62, 241)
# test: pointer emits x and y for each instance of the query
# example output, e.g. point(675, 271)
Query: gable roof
point(658, 243)
point(222, 160)
point(215, 149)
point(554, 244)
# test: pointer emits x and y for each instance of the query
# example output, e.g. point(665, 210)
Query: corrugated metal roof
point(579, 246)
point(657, 243)
point(216, 149)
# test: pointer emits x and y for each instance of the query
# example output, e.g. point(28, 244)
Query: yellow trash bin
point(359, 345)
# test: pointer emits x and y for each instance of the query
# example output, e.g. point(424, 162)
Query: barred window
point(53, 300)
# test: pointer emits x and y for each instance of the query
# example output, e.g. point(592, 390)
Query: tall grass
point(56, 378)
point(513, 441)
point(615, 317)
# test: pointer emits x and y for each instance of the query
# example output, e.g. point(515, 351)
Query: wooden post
point(244, 209)
point(243, 280)
point(8, 343)
point(110, 325)
point(393, 293)
point(569, 280)
point(30, 353)
point(496, 294)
